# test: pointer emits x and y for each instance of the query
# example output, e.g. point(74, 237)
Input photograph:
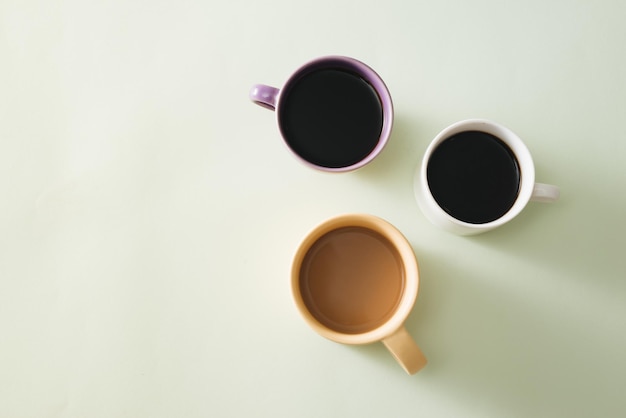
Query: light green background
point(149, 211)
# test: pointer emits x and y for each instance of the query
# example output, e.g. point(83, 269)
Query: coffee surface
point(331, 117)
point(352, 280)
point(474, 177)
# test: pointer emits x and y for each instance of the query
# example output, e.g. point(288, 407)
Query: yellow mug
point(355, 279)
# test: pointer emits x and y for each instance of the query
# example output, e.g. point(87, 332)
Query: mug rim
point(368, 74)
point(409, 266)
point(515, 144)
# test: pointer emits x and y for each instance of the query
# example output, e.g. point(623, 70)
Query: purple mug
point(334, 113)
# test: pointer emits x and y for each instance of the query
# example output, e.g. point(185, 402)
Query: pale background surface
point(149, 211)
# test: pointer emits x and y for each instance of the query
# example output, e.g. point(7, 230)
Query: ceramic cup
point(334, 113)
point(354, 279)
point(477, 175)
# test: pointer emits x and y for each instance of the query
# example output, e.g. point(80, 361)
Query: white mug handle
point(545, 193)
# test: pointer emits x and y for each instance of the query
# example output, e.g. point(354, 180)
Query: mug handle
point(545, 193)
point(405, 350)
point(264, 96)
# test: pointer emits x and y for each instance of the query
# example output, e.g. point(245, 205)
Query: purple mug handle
point(264, 96)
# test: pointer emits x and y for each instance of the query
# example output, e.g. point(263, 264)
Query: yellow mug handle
point(405, 350)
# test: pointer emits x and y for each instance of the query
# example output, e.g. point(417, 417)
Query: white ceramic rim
point(524, 159)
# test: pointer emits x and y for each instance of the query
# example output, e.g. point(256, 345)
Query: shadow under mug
point(477, 175)
point(334, 113)
point(355, 279)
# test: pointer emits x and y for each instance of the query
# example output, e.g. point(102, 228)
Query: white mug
point(477, 175)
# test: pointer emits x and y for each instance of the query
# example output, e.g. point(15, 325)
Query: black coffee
point(474, 177)
point(331, 117)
